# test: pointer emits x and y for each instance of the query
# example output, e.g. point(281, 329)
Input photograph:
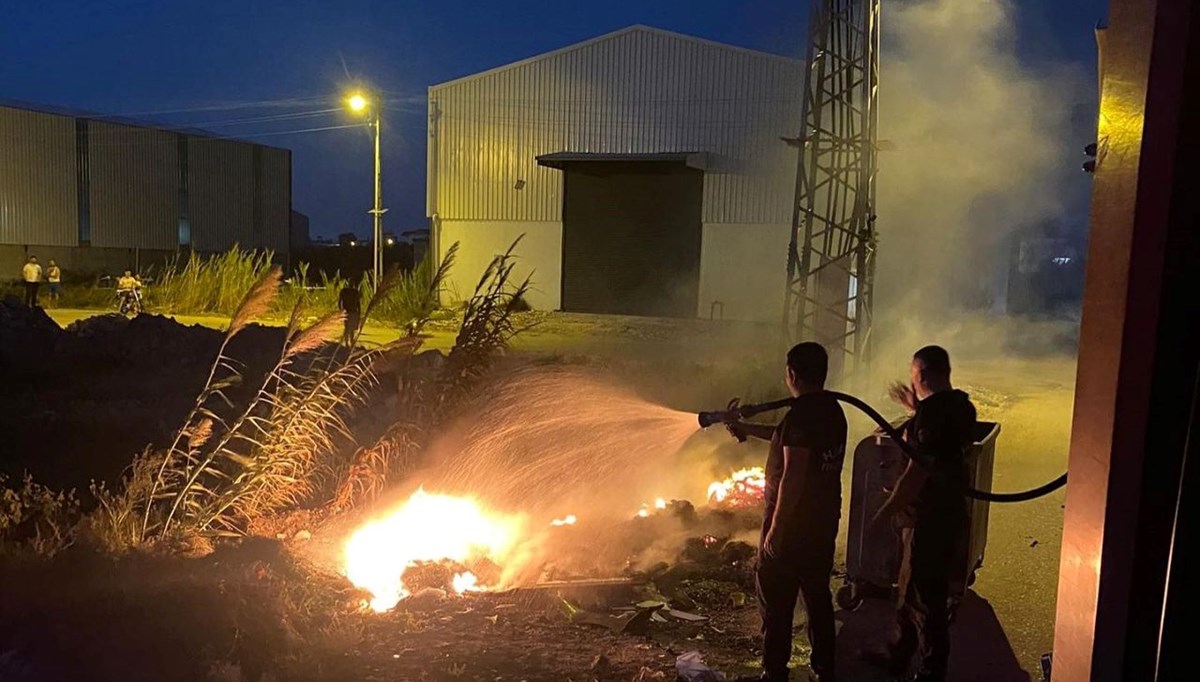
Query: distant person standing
point(53, 281)
point(32, 274)
point(350, 302)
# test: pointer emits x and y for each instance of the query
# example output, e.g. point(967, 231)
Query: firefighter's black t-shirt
point(943, 429)
point(817, 424)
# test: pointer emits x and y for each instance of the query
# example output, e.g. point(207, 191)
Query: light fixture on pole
point(359, 103)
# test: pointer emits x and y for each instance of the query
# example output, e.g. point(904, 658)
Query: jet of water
point(562, 440)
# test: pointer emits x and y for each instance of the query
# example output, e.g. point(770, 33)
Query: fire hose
point(736, 412)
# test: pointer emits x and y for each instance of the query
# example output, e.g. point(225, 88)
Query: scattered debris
point(685, 616)
point(631, 621)
point(691, 668)
point(426, 598)
point(600, 665)
point(302, 535)
point(736, 552)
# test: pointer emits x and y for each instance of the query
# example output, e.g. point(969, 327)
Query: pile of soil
point(79, 402)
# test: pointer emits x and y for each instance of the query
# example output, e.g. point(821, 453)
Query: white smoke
point(981, 145)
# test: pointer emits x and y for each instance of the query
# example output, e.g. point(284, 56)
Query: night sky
point(215, 64)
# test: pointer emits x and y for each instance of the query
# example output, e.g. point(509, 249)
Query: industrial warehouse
point(644, 168)
point(100, 196)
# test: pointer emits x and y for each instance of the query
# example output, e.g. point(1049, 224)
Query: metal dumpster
point(873, 556)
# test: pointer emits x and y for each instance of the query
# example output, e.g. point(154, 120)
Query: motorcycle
point(130, 301)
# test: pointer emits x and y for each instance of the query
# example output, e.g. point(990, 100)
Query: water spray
point(736, 411)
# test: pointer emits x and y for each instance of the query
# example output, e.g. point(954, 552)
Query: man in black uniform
point(942, 429)
point(803, 504)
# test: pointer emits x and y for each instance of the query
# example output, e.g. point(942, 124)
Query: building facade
point(100, 196)
point(644, 171)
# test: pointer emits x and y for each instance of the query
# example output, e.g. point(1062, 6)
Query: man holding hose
point(802, 507)
point(930, 496)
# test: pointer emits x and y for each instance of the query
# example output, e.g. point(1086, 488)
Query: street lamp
point(359, 103)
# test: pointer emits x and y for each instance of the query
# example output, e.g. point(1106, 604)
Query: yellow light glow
point(357, 102)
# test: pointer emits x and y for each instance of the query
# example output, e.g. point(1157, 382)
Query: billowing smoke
point(978, 146)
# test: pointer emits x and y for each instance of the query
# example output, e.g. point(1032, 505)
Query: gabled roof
point(636, 28)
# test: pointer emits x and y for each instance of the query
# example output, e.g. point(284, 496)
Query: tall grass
point(208, 284)
point(199, 285)
point(231, 464)
point(413, 298)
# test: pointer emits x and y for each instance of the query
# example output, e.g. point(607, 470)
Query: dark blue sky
point(223, 61)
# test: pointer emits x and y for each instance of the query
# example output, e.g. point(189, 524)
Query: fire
point(660, 503)
point(743, 488)
point(427, 528)
point(465, 582)
point(568, 520)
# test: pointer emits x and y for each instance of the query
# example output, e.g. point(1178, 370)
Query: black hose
point(1022, 496)
point(742, 411)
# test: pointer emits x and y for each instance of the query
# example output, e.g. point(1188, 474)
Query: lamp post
point(359, 103)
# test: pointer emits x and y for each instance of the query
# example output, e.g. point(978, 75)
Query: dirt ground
point(71, 422)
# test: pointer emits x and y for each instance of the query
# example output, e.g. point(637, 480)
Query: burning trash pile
point(741, 490)
point(438, 542)
point(450, 545)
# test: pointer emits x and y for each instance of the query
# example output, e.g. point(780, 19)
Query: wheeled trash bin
point(873, 556)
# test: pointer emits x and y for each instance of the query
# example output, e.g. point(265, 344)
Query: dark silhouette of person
point(930, 499)
point(350, 303)
point(802, 508)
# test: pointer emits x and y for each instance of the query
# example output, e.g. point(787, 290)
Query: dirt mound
point(26, 334)
point(161, 341)
point(78, 403)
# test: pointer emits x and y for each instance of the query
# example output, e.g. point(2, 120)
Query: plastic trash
point(690, 668)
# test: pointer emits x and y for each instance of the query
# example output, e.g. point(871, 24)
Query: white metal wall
point(38, 197)
point(538, 256)
point(640, 90)
point(133, 186)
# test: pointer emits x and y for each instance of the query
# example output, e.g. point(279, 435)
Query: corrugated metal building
point(100, 196)
point(644, 168)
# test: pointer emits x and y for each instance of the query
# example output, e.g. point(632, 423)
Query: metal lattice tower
point(831, 257)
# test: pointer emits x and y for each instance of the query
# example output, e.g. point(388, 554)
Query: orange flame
point(743, 488)
point(568, 520)
point(427, 527)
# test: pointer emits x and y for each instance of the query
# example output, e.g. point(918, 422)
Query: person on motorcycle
point(129, 289)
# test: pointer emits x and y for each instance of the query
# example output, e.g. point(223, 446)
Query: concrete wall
point(744, 266)
point(539, 254)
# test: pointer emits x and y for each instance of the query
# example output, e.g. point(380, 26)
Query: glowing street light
point(358, 103)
